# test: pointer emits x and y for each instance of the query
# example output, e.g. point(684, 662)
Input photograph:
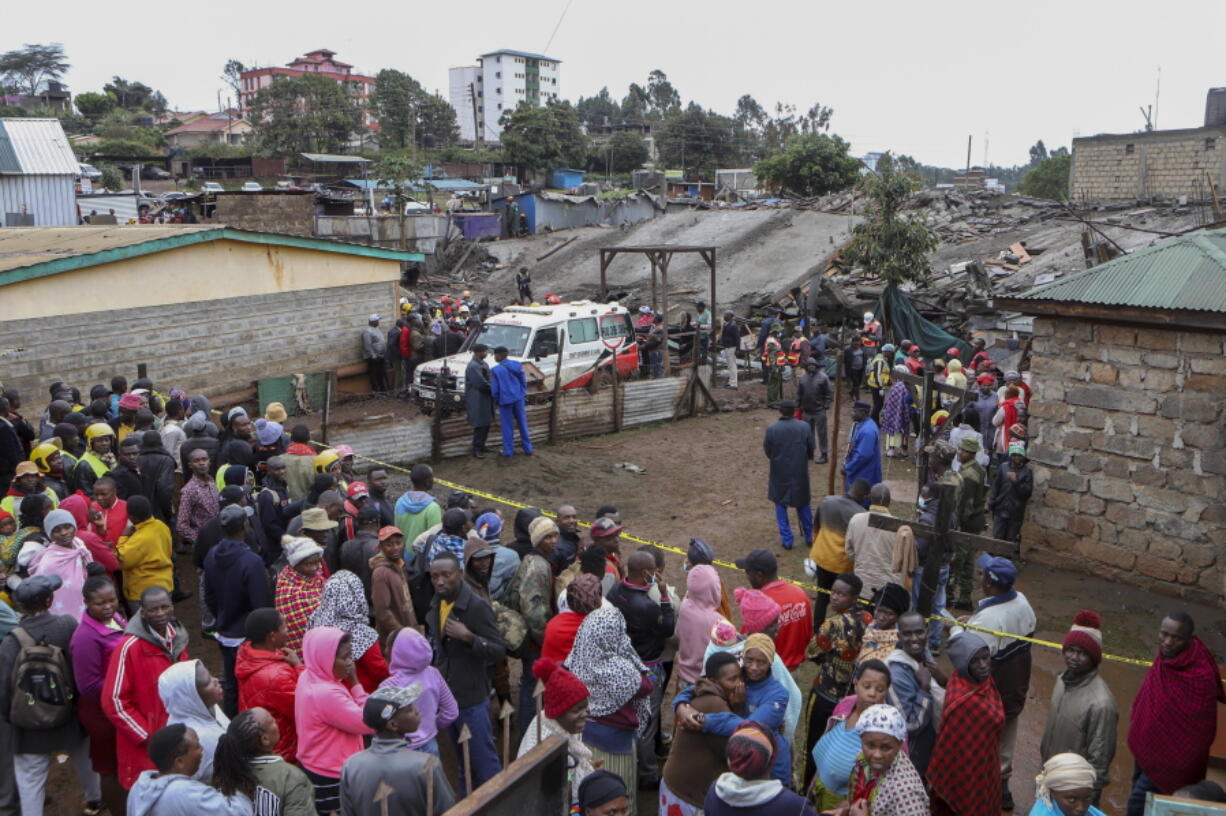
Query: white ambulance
point(590, 336)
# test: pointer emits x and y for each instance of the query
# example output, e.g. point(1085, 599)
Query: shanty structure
point(38, 173)
point(659, 257)
point(1128, 363)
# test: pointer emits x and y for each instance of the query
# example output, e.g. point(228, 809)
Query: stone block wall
point(209, 347)
point(288, 213)
point(1143, 165)
point(1128, 445)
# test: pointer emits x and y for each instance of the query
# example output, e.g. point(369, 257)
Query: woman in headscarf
point(64, 555)
point(954, 375)
point(1007, 414)
point(300, 585)
point(896, 414)
point(582, 598)
point(964, 771)
point(701, 552)
point(747, 789)
point(603, 793)
point(696, 759)
point(765, 702)
point(1065, 787)
point(565, 704)
point(343, 605)
point(724, 638)
point(191, 696)
point(883, 781)
point(834, 754)
point(698, 613)
point(619, 684)
point(881, 636)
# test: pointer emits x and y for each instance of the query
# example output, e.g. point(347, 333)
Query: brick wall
point(1143, 165)
point(289, 213)
point(1129, 452)
point(210, 347)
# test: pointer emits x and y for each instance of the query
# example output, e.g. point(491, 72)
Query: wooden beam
point(942, 388)
point(938, 544)
point(995, 546)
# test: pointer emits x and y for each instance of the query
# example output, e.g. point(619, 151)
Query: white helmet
point(868, 317)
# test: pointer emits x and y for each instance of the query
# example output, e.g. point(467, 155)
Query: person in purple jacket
point(100, 631)
point(410, 663)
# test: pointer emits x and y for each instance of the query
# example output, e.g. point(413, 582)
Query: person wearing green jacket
point(418, 511)
point(246, 762)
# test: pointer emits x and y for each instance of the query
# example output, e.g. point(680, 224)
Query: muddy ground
point(706, 478)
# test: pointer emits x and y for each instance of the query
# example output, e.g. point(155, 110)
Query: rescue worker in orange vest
point(774, 360)
point(870, 334)
point(798, 353)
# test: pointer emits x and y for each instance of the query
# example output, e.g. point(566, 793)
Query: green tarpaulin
point(905, 323)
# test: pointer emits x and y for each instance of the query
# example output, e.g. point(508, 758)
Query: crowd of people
point(360, 634)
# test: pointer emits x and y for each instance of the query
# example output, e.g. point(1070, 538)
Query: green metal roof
point(1187, 272)
point(31, 259)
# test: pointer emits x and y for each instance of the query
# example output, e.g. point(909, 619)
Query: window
point(498, 74)
point(1211, 143)
point(1129, 149)
point(515, 338)
point(498, 90)
point(614, 325)
point(499, 106)
point(582, 330)
point(545, 344)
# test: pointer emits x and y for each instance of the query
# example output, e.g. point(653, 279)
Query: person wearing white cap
point(870, 332)
point(374, 352)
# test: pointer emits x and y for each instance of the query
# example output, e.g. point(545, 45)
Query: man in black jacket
point(730, 341)
point(814, 395)
point(1010, 492)
point(127, 473)
point(157, 475)
point(467, 646)
point(649, 625)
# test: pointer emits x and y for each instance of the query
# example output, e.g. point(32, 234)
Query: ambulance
point(590, 336)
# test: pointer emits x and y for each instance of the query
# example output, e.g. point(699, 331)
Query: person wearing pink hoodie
point(410, 663)
point(328, 712)
point(698, 613)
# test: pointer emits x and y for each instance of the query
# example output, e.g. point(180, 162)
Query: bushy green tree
point(810, 164)
point(30, 68)
point(95, 105)
point(407, 113)
point(627, 151)
point(1048, 178)
point(123, 148)
point(302, 114)
point(598, 110)
point(397, 174)
point(543, 137)
point(696, 139)
point(889, 243)
point(111, 179)
point(135, 95)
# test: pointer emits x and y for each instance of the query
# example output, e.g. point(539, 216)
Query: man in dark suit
point(789, 445)
point(477, 400)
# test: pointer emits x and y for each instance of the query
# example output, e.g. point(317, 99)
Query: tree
point(662, 96)
point(696, 139)
point(30, 68)
point(95, 105)
point(232, 74)
point(111, 179)
point(397, 172)
point(627, 151)
point(810, 164)
point(395, 103)
point(135, 95)
point(887, 243)
point(1038, 152)
point(123, 148)
point(436, 117)
point(543, 137)
point(309, 113)
point(1049, 178)
point(601, 109)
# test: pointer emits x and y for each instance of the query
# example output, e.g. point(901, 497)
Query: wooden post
point(539, 693)
point(465, 736)
point(555, 405)
point(664, 259)
point(605, 258)
point(921, 440)
point(617, 389)
point(323, 432)
point(651, 256)
point(838, 406)
point(436, 421)
point(505, 716)
point(428, 770)
point(937, 546)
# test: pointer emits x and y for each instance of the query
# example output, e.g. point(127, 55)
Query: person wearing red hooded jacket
point(267, 675)
point(153, 641)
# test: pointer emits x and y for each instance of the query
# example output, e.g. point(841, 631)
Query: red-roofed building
point(321, 62)
point(226, 128)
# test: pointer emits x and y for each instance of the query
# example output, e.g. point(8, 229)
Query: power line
point(561, 16)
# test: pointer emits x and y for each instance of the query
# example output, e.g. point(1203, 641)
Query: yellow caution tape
point(811, 587)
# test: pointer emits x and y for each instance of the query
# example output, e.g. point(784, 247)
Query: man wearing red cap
point(1083, 714)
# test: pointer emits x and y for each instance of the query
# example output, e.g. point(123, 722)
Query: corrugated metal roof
point(1187, 272)
point(334, 158)
point(449, 185)
point(36, 147)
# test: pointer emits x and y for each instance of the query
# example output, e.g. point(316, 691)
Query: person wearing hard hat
point(53, 466)
point(25, 483)
point(98, 458)
point(870, 332)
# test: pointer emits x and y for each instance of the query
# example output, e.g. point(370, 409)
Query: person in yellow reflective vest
point(25, 482)
point(98, 458)
point(877, 378)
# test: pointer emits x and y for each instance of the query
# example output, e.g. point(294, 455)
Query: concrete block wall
point(1143, 165)
point(288, 213)
point(210, 347)
point(1129, 452)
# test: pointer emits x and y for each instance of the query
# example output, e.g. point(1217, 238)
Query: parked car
point(251, 187)
point(212, 187)
point(149, 171)
point(89, 171)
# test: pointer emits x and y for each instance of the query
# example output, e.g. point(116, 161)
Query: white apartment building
point(500, 81)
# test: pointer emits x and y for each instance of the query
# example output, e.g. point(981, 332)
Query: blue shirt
point(507, 382)
point(834, 755)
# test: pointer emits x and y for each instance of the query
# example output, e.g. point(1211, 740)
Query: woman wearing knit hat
point(1065, 787)
point(565, 715)
point(1082, 718)
point(747, 789)
point(63, 555)
point(531, 595)
point(300, 585)
point(759, 613)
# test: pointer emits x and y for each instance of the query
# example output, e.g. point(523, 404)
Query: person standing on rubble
point(523, 285)
point(798, 352)
point(870, 332)
point(878, 378)
point(704, 321)
point(813, 392)
point(729, 342)
point(774, 360)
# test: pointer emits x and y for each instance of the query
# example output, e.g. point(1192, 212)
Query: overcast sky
point(915, 78)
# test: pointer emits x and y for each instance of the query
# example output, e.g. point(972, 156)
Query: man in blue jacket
point(509, 388)
point(863, 448)
point(235, 584)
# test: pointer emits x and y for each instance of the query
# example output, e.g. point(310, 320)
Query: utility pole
point(968, 154)
point(472, 94)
